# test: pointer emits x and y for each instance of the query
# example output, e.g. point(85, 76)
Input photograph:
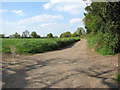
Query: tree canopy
point(33, 34)
point(80, 31)
point(50, 35)
point(103, 18)
point(66, 34)
point(16, 35)
point(2, 35)
point(74, 34)
point(26, 34)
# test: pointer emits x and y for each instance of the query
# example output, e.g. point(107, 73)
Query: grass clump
point(92, 40)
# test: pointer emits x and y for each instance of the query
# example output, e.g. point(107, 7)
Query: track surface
point(72, 67)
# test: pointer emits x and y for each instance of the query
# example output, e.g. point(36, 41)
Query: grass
point(92, 40)
point(117, 77)
point(32, 46)
point(103, 46)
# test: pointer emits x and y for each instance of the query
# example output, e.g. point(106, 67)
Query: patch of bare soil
point(73, 67)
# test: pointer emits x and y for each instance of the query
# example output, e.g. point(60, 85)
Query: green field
point(32, 45)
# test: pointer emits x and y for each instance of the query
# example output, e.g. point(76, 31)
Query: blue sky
point(55, 16)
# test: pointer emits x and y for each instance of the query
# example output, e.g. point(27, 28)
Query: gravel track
point(73, 67)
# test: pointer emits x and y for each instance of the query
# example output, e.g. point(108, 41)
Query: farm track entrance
point(73, 67)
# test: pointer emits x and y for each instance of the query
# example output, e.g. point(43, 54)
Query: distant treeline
point(26, 34)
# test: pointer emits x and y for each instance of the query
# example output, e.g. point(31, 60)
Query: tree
point(25, 34)
point(61, 36)
point(80, 31)
point(55, 36)
point(103, 19)
point(66, 34)
point(38, 36)
point(2, 35)
point(16, 35)
point(50, 35)
point(34, 34)
point(74, 34)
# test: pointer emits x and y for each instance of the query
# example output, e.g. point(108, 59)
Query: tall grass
point(32, 46)
point(104, 44)
point(92, 40)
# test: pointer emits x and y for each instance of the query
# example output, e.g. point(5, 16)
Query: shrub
point(117, 77)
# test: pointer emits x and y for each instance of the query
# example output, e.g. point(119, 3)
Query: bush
point(117, 77)
point(106, 44)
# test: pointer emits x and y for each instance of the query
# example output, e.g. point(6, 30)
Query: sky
point(53, 16)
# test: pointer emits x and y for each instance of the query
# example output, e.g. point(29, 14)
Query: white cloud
point(71, 6)
point(48, 24)
point(3, 10)
point(48, 5)
point(76, 20)
point(41, 18)
point(73, 9)
point(19, 12)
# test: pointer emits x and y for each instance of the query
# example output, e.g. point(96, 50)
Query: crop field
point(32, 46)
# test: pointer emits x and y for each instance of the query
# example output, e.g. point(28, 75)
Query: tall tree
point(103, 18)
point(50, 35)
point(74, 34)
point(34, 34)
point(66, 34)
point(16, 35)
point(80, 31)
point(38, 36)
point(26, 34)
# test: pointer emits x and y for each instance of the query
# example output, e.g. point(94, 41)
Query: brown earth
point(72, 67)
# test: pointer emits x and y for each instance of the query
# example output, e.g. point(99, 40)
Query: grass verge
point(104, 44)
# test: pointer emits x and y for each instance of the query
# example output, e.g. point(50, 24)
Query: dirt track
point(73, 67)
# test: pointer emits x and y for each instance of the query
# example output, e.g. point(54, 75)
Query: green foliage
point(6, 44)
point(2, 35)
point(74, 34)
point(117, 77)
point(65, 35)
point(16, 35)
point(6, 49)
point(105, 43)
point(80, 31)
point(56, 37)
point(34, 34)
point(25, 34)
point(102, 20)
point(32, 46)
point(92, 40)
point(109, 44)
point(38, 36)
point(50, 35)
